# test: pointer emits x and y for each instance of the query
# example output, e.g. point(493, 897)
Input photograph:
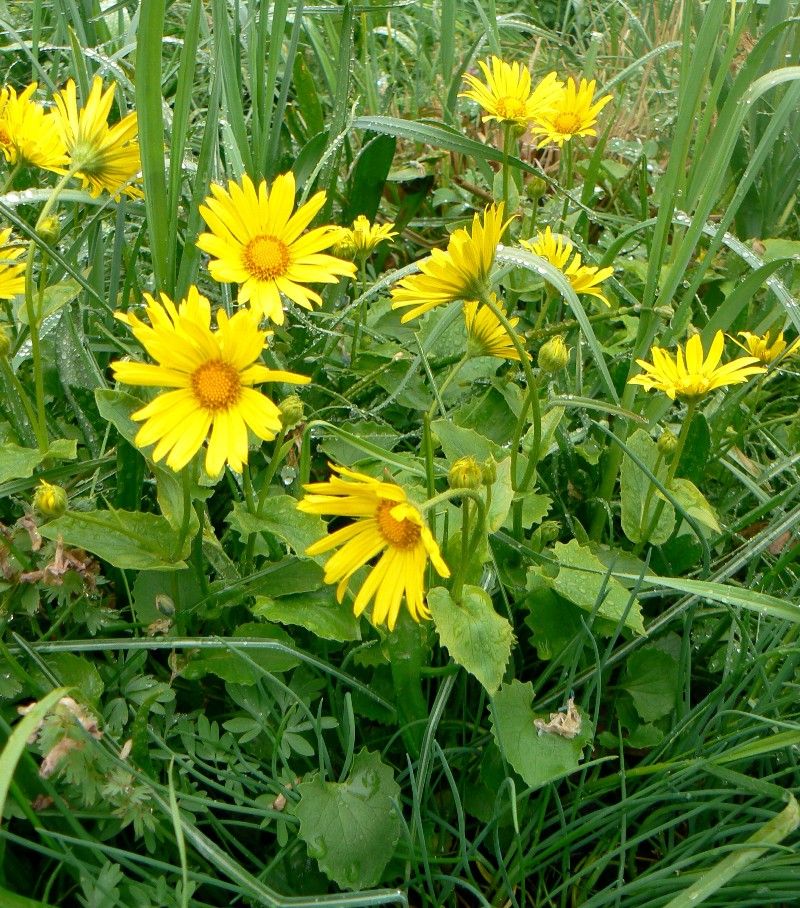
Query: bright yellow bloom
point(572, 113)
point(256, 242)
point(12, 273)
point(106, 157)
point(388, 525)
point(507, 94)
point(360, 239)
point(28, 134)
point(557, 250)
point(213, 372)
point(767, 347)
point(692, 376)
point(461, 272)
point(486, 335)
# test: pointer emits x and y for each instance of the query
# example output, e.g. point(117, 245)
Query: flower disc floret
point(388, 527)
point(258, 241)
point(212, 372)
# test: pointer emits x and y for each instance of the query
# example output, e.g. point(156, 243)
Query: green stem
point(568, 176)
point(186, 480)
point(458, 580)
point(508, 141)
point(11, 177)
point(361, 314)
point(40, 423)
point(12, 379)
point(446, 384)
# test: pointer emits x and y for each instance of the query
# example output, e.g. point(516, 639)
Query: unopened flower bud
point(466, 473)
point(665, 312)
point(50, 500)
point(536, 188)
point(667, 443)
point(292, 411)
point(489, 470)
point(50, 229)
point(5, 341)
point(553, 355)
point(549, 531)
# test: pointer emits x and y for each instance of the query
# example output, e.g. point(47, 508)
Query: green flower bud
point(5, 341)
point(50, 229)
point(549, 531)
point(536, 188)
point(292, 411)
point(466, 473)
point(667, 443)
point(50, 500)
point(553, 355)
point(489, 470)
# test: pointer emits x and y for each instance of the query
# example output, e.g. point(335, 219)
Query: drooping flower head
point(361, 239)
point(573, 112)
point(12, 272)
point(213, 373)
point(461, 272)
point(385, 524)
point(558, 251)
point(106, 157)
point(506, 95)
point(695, 374)
point(486, 335)
point(257, 242)
point(766, 348)
point(28, 133)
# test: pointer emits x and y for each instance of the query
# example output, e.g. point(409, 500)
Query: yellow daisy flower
point(106, 157)
point(213, 373)
point(692, 376)
point(486, 336)
point(572, 113)
point(507, 94)
point(461, 272)
point(386, 523)
point(256, 242)
point(12, 273)
point(28, 134)
point(361, 239)
point(557, 250)
point(766, 348)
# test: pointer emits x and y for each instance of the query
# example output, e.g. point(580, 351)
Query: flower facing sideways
point(572, 113)
point(257, 242)
point(103, 157)
point(486, 335)
point(694, 374)
point(558, 251)
point(212, 372)
point(28, 134)
point(460, 272)
point(767, 347)
point(385, 524)
point(506, 96)
point(362, 238)
point(12, 272)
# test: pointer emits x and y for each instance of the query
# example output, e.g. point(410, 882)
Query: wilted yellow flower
point(256, 242)
point(28, 134)
point(572, 113)
point(767, 347)
point(213, 372)
point(692, 376)
point(486, 335)
point(360, 239)
point(12, 273)
point(557, 250)
point(106, 157)
point(507, 95)
point(461, 272)
point(386, 524)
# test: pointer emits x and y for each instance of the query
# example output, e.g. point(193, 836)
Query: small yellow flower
point(557, 250)
point(213, 373)
point(106, 157)
point(507, 95)
point(572, 113)
point(694, 375)
point(28, 134)
point(258, 243)
point(461, 272)
point(12, 273)
point(361, 239)
point(486, 335)
point(386, 524)
point(766, 348)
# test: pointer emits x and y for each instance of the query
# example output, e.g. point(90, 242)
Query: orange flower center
point(5, 136)
point(266, 257)
point(402, 534)
point(216, 385)
point(510, 108)
point(567, 122)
